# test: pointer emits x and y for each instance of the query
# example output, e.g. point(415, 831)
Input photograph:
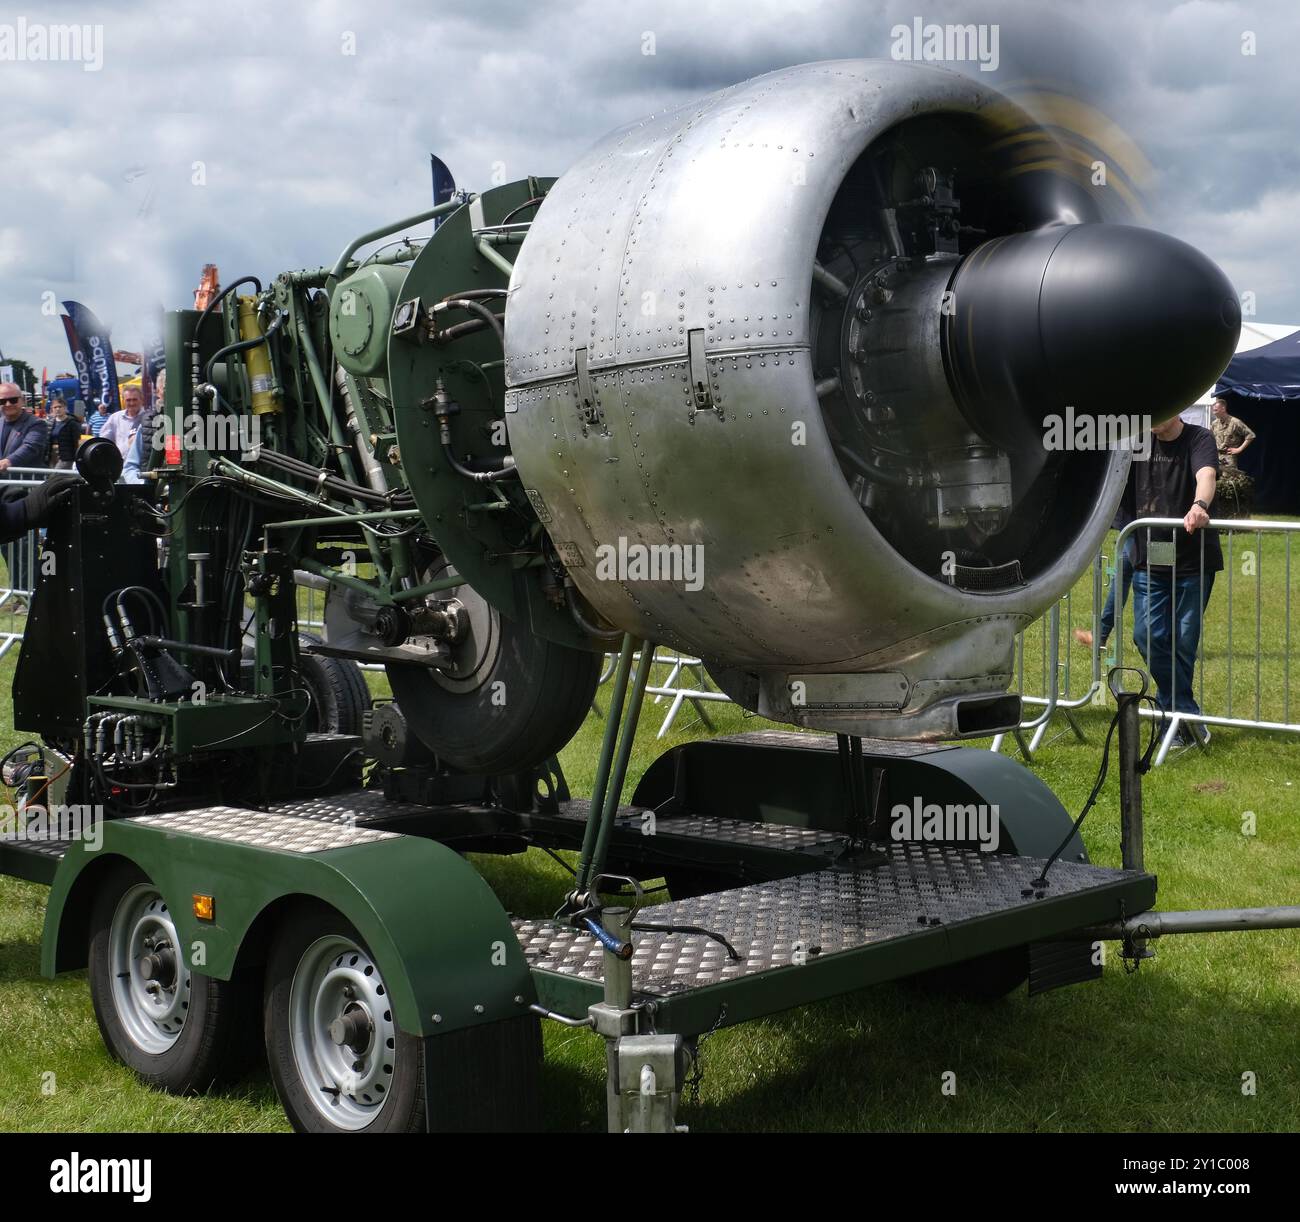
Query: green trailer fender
point(445, 945)
point(774, 776)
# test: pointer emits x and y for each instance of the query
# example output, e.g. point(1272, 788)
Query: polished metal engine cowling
point(730, 345)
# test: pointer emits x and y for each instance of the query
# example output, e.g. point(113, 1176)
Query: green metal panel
point(361, 312)
point(490, 550)
point(442, 940)
point(233, 721)
point(780, 779)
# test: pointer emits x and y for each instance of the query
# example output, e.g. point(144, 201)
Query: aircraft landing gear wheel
point(179, 1030)
point(505, 701)
point(340, 1062)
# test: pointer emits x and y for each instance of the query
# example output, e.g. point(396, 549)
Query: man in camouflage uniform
point(1232, 436)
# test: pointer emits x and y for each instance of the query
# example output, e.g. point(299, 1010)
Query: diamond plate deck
point(287, 833)
point(792, 920)
point(743, 832)
point(360, 806)
point(52, 848)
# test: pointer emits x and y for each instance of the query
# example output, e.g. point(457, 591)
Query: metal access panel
point(814, 935)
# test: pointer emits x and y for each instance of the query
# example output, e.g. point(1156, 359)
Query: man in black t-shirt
point(1174, 569)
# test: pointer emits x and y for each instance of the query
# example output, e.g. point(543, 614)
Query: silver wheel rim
point(342, 1032)
point(151, 983)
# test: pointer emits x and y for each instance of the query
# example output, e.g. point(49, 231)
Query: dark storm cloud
point(245, 134)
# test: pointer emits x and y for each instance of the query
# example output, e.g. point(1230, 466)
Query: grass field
point(1163, 1050)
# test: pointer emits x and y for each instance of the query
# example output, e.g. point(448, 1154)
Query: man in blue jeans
point(1123, 579)
point(1173, 570)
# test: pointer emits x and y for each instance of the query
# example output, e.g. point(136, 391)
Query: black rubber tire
point(220, 1039)
point(548, 690)
point(404, 1109)
point(338, 689)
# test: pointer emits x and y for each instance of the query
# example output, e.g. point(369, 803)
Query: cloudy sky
point(263, 137)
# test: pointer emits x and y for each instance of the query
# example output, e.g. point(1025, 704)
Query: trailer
point(787, 424)
point(388, 967)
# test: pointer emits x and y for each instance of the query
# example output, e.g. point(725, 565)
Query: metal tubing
point(379, 515)
point(563, 1019)
point(341, 264)
point(618, 971)
point(504, 266)
point(615, 787)
point(618, 694)
point(353, 583)
point(429, 587)
point(244, 475)
point(1130, 782)
point(618, 996)
point(1210, 920)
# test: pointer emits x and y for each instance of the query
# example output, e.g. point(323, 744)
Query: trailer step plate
point(972, 902)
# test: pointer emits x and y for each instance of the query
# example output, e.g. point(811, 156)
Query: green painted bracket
point(441, 938)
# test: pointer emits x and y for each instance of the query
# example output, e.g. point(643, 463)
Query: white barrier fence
point(1226, 656)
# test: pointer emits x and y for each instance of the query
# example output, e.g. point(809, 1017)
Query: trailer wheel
point(179, 1030)
point(339, 1060)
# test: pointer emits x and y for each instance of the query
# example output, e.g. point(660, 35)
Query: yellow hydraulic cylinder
point(257, 360)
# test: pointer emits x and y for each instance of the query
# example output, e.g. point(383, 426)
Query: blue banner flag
point(99, 353)
point(81, 363)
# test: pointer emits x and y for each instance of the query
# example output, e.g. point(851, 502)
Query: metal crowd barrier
point(1045, 651)
point(20, 560)
point(1260, 612)
point(672, 689)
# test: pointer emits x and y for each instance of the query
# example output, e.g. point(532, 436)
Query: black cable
point(479, 477)
point(465, 303)
point(221, 296)
point(528, 203)
point(244, 345)
point(475, 295)
point(337, 768)
point(732, 953)
point(601, 634)
point(555, 857)
point(1041, 880)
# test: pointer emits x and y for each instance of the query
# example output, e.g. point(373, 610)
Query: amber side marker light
point(204, 908)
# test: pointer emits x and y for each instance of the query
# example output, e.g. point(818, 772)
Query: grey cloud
point(304, 146)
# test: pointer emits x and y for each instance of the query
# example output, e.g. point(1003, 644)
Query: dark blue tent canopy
point(1262, 387)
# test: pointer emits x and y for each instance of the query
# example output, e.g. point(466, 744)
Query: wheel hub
point(353, 1029)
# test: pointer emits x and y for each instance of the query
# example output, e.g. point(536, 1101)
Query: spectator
point(121, 427)
point(137, 460)
point(1123, 578)
point(19, 516)
point(65, 436)
point(24, 442)
point(95, 421)
point(1231, 435)
point(24, 437)
point(1170, 588)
